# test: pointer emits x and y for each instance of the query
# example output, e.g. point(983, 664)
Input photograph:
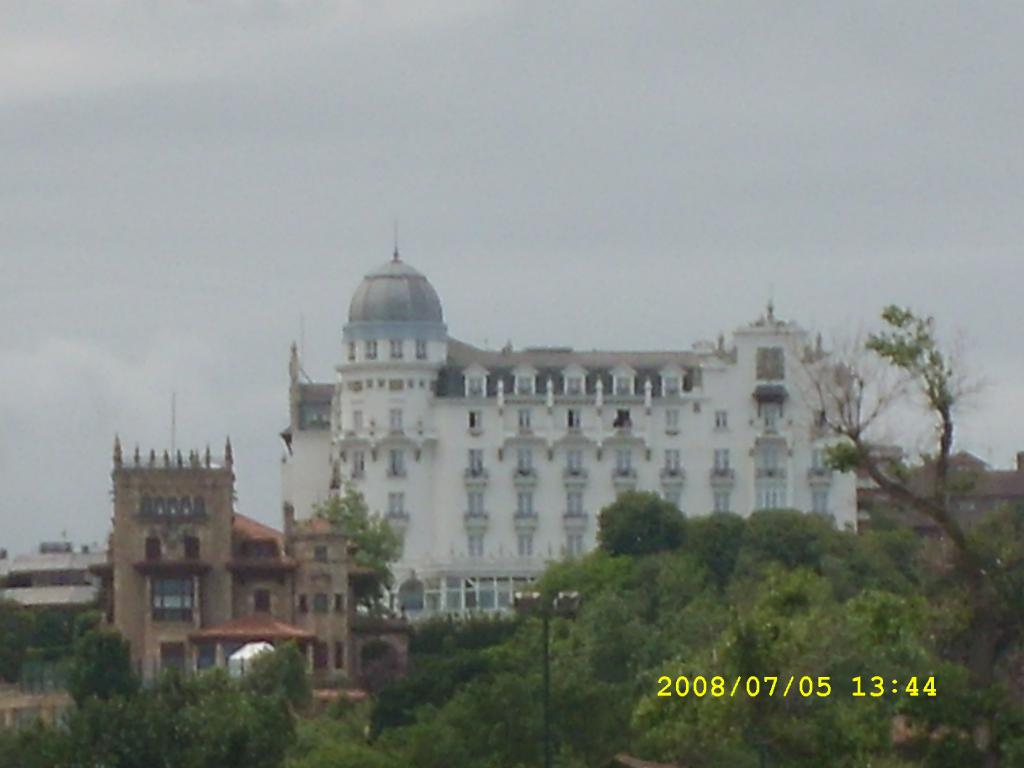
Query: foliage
point(15, 632)
point(640, 523)
point(377, 545)
point(280, 674)
point(101, 667)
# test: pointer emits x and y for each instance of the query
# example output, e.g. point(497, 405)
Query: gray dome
point(395, 293)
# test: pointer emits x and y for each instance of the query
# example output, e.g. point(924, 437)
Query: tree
point(377, 544)
point(902, 364)
point(16, 627)
point(281, 674)
point(101, 667)
point(640, 523)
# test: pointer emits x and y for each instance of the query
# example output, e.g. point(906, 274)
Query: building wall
point(435, 440)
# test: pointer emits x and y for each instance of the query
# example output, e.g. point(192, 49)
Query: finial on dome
point(771, 310)
point(395, 256)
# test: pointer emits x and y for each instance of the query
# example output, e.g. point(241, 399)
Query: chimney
point(1020, 461)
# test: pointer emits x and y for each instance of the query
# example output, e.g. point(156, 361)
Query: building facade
point(56, 576)
point(490, 464)
point(189, 580)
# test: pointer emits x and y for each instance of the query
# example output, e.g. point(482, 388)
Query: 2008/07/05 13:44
point(804, 686)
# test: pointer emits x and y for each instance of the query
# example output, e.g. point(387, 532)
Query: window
point(672, 420)
point(172, 599)
point(172, 656)
point(721, 419)
point(623, 385)
point(623, 461)
point(152, 548)
point(771, 413)
point(770, 364)
point(358, 463)
point(339, 654)
point(319, 655)
point(396, 463)
point(476, 461)
point(574, 419)
point(672, 460)
point(574, 544)
point(524, 460)
point(722, 502)
point(622, 419)
point(421, 349)
point(674, 498)
point(769, 460)
point(525, 544)
point(320, 603)
point(395, 419)
point(524, 419)
point(351, 351)
point(339, 602)
point(396, 504)
point(475, 503)
point(475, 386)
point(476, 421)
point(574, 385)
point(524, 385)
point(396, 349)
point(721, 459)
point(670, 386)
point(191, 548)
point(819, 501)
point(574, 461)
point(574, 503)
point(320, 553)
point(476, 545)
point(524, 504)
point(303, 605)
point(371, 350)
point(770, 494)
point(818, 459)
point(261, 601)
point(357, 421)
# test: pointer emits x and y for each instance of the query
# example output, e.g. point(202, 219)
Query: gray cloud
point(181, 181)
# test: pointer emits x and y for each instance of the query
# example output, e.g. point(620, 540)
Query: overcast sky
point(184, 184)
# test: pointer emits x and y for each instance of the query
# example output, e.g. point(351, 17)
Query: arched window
point(410, 595)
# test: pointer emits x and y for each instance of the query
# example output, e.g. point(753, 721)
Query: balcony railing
point(722, 475)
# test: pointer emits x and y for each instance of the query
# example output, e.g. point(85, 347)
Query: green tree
point(101, 667)
point(640, 523)
point(16, 627)
point(280, 674)
point(377, 544)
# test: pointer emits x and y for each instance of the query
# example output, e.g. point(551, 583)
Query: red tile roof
point(258, 626)
point(248, 528)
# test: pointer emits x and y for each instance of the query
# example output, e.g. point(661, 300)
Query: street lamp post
point(563, 604)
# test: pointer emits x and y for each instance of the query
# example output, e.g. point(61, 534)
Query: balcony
point(624, 479)
point(574, 522)
point(672, 476)
point(525, 522)
point(771, 473)
point(398, 520)
point(819, 476)
point(475, 477)
point(723, 476)
point(476, 522)
point(524, 477)
point(574, 477)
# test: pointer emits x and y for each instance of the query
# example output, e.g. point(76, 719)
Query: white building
point(492, 464)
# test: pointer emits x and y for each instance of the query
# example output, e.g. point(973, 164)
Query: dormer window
point(371, 350)
point(396, 349)
point(623, 384)
point(475, 386)
point(670, 386)
point(351, 351)
point(421, 349)
point(622, 419)
point(574, 385)
point(524, 385)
